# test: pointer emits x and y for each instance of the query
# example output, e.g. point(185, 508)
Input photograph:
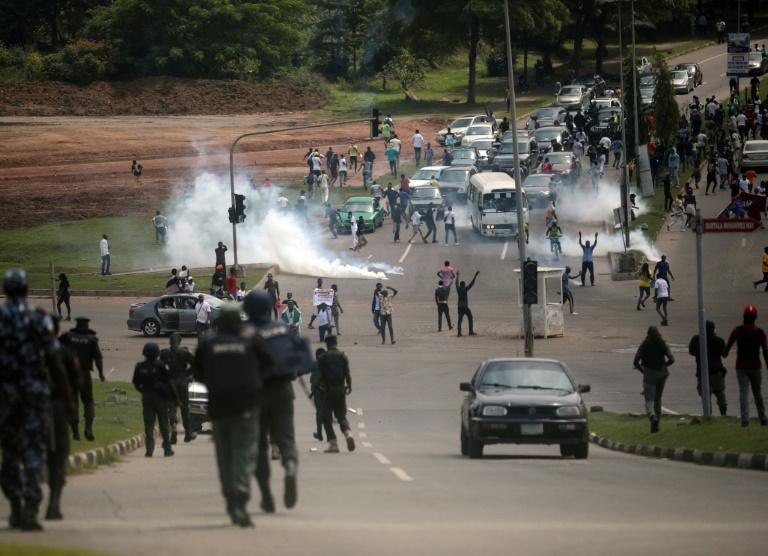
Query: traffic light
point(232, 216)
point(375, 122)
point(240, 208)
point(530, 283)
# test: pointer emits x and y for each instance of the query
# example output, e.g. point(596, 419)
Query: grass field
point(31, 550)
point(718, 434)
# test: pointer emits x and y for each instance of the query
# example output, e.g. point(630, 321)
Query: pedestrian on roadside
point(717, 371)
point(764, 270)
point(342, 171)
point(232, 283)
point(335, 382)
point(397, 218)
point(63, 296)
point(136, 170)
point(566, 283)
point(179, 361)
point(272, 287)
point(447, 275)
point(391, 154)
point(352, 230)
point(323, 184)
point(663, 270)
point(324, 320)
point(106, 259)
point(202, 315)
point(376, 307)
point(151, 379)
point(587, 264)
point(316, 293)
point(617, 147)
point(653, 358)
point(417, 140)
point(449, 219)
point(361, 241)
point(673, 163)
point(317, 396)
point(441, 300)
point(336, 309)
point(230, 363)
point(292, 316)
point(462, 291)
point(416, 225)
point(429, 155)
point(644, 285)
point(661, 298)
point(390, 198)
point(333, 219)
point(711, 178)
point(385, 318)
point(353, 153)
point(160, 223)
point(750, 343)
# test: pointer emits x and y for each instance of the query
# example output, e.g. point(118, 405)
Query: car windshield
point(569, 91)
point(461, 122)
point(483, 144)
point(648, 81)
point(357, 207)
point(464, 153)
point(537, 180)
point(532, 375)
point(546, 135)
point(750, 146)
point(559, 158)
point(604, 116)
point(499, 201)
point(425, 174)
point(509, 148)
point(680, 74)
point(455, 176)
point(425, 193)
point(545, 113)
point(480, 130)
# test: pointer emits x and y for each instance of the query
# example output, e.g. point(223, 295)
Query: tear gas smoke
point(197, 222)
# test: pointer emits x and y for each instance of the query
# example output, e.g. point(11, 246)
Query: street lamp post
point(527, 321)
point(634, 97)
point(624, 167)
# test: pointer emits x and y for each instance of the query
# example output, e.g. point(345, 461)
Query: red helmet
point(750, 309)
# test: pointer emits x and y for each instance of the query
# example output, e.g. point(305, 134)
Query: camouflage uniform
point(25, 401)
point(179, 362)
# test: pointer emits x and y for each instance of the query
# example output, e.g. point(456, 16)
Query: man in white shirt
point(202, 314)
point(662, 297)
point(353, 230)
point(416, 225)
point(324, 320)
point(282, 203)
point(323, 182)
point(105, 258)
point(161, 225)
point(449, 219)
point(418, 141)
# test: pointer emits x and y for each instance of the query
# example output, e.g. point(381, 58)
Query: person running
point(441, 300)
point(662, 270)
point(587, 265)
point(462, 290)
point(392, 154)
point(653, 359)
point(449, 219)
point(566, 283)
point(717, 371)
point(644, 284)
point(447, 275)
point(316, 395)
point(750, 342)
point(662, 297)
point(416, 225)
point(336, 308)
point(353, 153)
point(335, 383)
point(429, 218)
point(754, 284)
point(333, 219)
point(353, 230)
point(385, 317)
point(63, 295)
point(397, 219)
point(418, 141)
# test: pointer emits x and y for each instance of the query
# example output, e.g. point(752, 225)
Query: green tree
point(405, 70)
point(665, 109)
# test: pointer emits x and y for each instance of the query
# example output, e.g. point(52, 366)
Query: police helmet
point(230, 318)
point(15, 283)
point(257, 305)
point(151, 350)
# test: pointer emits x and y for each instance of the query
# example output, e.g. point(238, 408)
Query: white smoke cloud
point(198, 221)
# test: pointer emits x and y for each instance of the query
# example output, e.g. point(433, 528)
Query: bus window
point(503, 201)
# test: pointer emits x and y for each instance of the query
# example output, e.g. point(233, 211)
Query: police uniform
point(334, 381)
point(230, 363)
point(85, 345)
point(179, 362)
point(151, 378)
point(25, 397)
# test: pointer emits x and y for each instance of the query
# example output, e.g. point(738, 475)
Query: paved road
point(407, 490)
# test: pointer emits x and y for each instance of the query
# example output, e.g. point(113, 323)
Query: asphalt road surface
point(407, 490)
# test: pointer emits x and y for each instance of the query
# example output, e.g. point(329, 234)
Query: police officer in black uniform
point(26, 337)
point(85, 345)
point(292, 359)
point(335, 382)
point(64, 375)
point(179, 362)
point(151, 378)
point(230, 362)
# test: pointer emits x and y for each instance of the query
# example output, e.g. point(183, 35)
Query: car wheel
point(464, 442)
point(475, 448)
point(566, 450)
point(150, 327)
point(581, 451)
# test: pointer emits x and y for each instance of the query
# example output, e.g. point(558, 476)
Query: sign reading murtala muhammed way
point(719, 225)
point(738, 54)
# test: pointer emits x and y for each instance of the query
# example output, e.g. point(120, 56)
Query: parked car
point(754, 154)
point(758, 63)
point(545, 135)
point(423, 175)
point(459, 127)
point(647, 89)
point(454, 182)
point(421, 197)
point(504, 156)
point(547, 116)
point(464, 156)
point(477, 132)
point(170, 313)
point(562, 165)
point(524, 401)
point(521, 134)
point(198, 405)
point(573, 97)
point(682, 81)
point(540, 189)
point(367, 207)
point(694, 70)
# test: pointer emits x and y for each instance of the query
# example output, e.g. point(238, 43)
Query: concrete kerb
point(758, 462)
point(99, 456)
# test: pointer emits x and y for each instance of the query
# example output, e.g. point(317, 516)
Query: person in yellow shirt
point(765, 271)
point(353, 154)
point(644, 282)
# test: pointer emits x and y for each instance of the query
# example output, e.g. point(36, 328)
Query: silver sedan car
point(754, 155)
point(682, 81)
point(170, 313)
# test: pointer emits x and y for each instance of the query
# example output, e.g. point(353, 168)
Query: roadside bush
point(12, 63)
point(34, 65)
point(302, 77)
point(80, 62)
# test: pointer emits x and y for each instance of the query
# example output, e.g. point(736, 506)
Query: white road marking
point(362, 435)
point(504, 250)
point(743, 242)
point(666, 410)
point(352, 410)
point(407, 250)
point(361, 425)
point(112, 370)
point(366, 444)
point(712, 58)
point(400, 474)
point(382, 460)
point(360, 411)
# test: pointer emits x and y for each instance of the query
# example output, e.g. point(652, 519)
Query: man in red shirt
point(405, 184)
point(750, 341)
point(232, 282)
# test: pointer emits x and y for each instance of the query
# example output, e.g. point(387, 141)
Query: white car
point(573, 97)
point(459, 127)
point(476, 132)
point(754, 154)
point(606, 102)
point(422, 177)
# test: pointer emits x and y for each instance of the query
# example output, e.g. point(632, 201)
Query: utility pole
point(624, 189)
point(527, 321)
point(635, 93)
point(703, 356)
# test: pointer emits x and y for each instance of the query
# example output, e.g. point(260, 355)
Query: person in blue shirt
point(586, 260)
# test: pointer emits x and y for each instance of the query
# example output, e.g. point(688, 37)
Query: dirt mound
point(166, 96)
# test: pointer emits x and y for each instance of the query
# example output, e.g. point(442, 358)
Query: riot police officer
point(85, 345)
point(151, 378)
point(26, 335)
point(335, 382)
point(292, 359)
point(179, 362)
point(230, 362)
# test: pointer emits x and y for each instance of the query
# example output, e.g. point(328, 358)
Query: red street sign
point(718, 225)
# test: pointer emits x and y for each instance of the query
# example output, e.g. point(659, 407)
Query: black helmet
point(15, 283)
point(258, 306)
point(229, 319)
point(151, 350)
